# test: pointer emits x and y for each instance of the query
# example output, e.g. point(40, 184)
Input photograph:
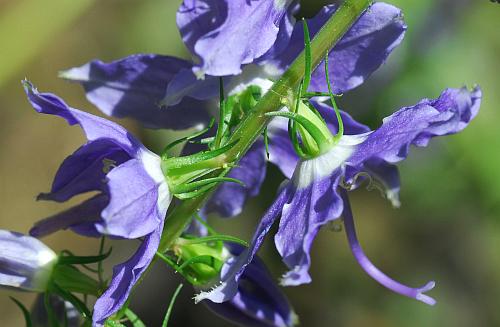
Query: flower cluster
point(239, 49)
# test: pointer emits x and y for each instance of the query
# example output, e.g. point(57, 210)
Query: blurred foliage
point(447, 229)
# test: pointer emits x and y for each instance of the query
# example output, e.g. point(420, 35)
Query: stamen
point(374, 272)
point(373, 184)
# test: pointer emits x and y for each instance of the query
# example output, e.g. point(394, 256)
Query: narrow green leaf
point(26, 313)
point(309, 95)
point(171, 305)
point(308, 60)
point(134, 319)
point(112, 323)
point(217, 238)
point(222, 115)
point(332, 99)
point(205, 224)
point(314, 131)
point(77, 303)
point(266, 142)
point(78, 260)
point(187, 139)
point(292, 133)
point(186, 188)
point(175, 266)
point(292, 126)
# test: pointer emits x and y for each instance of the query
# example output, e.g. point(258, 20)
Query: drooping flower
point(25, 262)
point(312, 197)
point(134, 193)
point(133, 201)
point(258, 301)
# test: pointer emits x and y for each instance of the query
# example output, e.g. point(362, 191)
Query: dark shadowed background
point(447, 229)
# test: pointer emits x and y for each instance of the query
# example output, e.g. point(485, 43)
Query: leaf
point(171, 305)
point(134, 319)
point(26, 313)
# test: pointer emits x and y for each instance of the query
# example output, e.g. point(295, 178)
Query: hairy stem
point(255, 122)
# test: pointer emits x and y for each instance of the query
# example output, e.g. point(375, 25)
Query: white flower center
point(152, 166)
point(313, 170)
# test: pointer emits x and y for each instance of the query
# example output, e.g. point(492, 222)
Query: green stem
point(281, 92)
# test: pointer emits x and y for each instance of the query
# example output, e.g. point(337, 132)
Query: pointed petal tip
point(34, 232)
point(44, 197)
point(28, 86)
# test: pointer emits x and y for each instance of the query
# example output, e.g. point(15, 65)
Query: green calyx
point(308, 131)
point(71, 279)
point(193, 175)
point(199, 259)
point(199, 263)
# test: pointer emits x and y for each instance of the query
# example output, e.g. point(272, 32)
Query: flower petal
point(222, 32)
point(25, 262)
point(448, 114)
point(281, 151)
point(125, 276)
point(93, 126)
point(85, 170)
point(309, 208)
point(81, 218)
point(360, 51)
point(134, 87)
point(186, 84)
point(135, 209)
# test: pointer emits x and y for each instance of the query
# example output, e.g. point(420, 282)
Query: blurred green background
point(448, 228)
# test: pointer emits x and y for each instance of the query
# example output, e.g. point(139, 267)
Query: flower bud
point(25, 262)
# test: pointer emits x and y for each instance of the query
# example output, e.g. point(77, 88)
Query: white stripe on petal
point(152, 166)
point(313, 170)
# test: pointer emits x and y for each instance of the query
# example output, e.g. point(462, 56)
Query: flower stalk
point(255, 122)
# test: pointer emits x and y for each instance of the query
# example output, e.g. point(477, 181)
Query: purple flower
point(64, 311)
point(134, 87)
point(359, 53)
point(258, 301)
point(311, 198)
point(125, 276)
point(25, 262)
point(241, 41)
point(134, 193)
point(225, 34)
point(133, 201)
